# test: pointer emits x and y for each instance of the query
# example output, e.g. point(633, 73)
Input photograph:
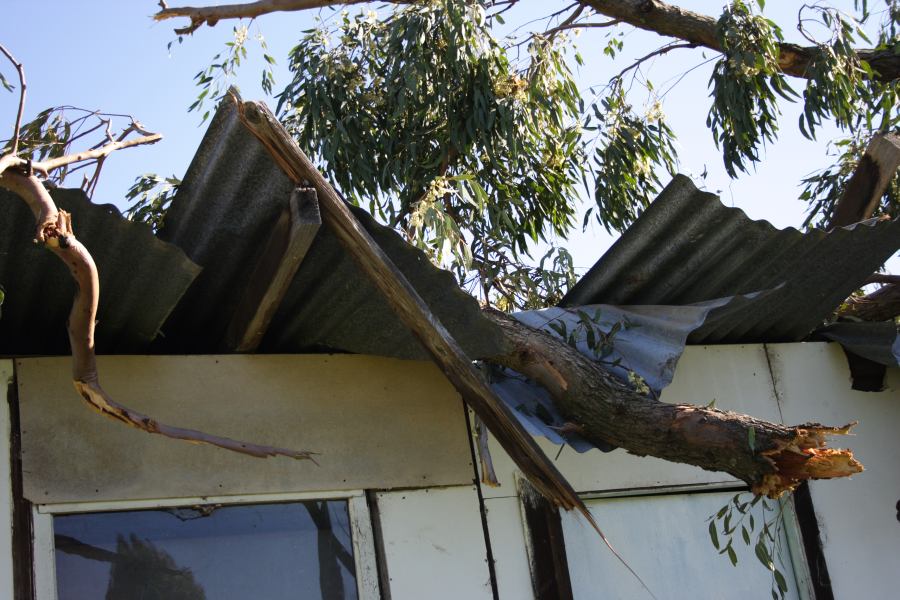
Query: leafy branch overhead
point(459, 151)
point(477, 146)
point(474, 146)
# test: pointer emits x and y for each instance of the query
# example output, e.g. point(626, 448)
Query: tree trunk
point(769, 457)
point(880, 305)
point(872, 176)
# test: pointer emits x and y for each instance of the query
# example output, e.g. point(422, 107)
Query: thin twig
point(566, 22)
point(583, 25)
point(55, 163)
point(658, 52)
point(22, 87)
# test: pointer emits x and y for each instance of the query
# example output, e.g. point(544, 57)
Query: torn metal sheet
point(650, 341)
point(878, 342)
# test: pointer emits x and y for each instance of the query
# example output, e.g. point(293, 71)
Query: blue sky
point(110, 55)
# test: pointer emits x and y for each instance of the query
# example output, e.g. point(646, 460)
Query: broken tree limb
point(867, 185)
point(54, 230)
point(881, 305)
point(770, 458)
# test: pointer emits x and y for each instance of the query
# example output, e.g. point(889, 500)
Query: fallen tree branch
point(54, 230)
point(769, 457)
point(881, 305)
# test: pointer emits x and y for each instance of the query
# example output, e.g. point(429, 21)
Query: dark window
point(265, 551)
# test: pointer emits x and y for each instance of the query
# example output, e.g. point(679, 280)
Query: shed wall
point(858, 517)
point(376, 423)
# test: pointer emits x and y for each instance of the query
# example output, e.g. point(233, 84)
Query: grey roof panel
point(687, 247)
point(141, 279)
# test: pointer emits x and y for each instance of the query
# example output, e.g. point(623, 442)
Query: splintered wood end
point(806, 456)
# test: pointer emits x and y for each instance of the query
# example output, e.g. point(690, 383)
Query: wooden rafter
point(288, 243)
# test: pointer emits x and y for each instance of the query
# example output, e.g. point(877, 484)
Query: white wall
point(433, 536)
point(434, 544)
point(806, 382)
point(858, 515)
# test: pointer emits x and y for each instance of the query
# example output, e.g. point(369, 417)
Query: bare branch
point(658, 52)
point(54, 163)
point(210, 15)
point(567, 22)
point(22, 87)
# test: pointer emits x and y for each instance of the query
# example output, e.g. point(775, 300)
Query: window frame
point(361, 533)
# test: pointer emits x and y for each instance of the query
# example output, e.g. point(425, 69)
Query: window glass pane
point(665, 539)
point(265, 551)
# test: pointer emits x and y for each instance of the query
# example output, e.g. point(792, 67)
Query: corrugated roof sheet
point(141, 279)
point(685, 248)
point(230, 197)
point(688, 247)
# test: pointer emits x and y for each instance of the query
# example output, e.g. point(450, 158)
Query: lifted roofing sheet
point(688, 247)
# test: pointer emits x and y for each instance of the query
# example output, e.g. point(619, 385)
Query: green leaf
point(732, 555)
point(762, 553)
point(751, 438)
point(780, 582)
point(6, 84)
point(713, 534)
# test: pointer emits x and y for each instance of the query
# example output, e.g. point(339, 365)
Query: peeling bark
point(772, 459)
point(54, 230)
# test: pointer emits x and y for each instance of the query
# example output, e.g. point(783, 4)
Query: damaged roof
point(226, 207)
point(688, 247)
point(182, 292)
